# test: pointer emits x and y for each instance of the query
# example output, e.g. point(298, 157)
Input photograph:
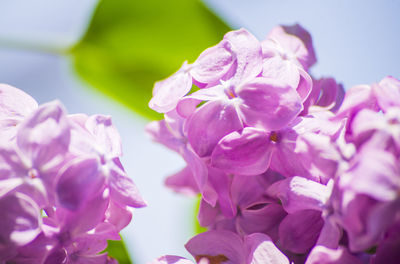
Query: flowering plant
point(63, 189)
point(290, 168)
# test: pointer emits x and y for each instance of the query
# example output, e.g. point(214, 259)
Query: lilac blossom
point(63, 190)
point(281, 158)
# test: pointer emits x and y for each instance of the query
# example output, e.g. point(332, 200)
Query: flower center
point(274, 137)
point(230, 92)
point(33, 173)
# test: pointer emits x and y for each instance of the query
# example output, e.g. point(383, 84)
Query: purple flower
point(227, 247)
point(15, 105)
point(290, 168)
point(63, 190)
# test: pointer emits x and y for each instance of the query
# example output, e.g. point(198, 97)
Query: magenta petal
point(248, 53)
point(245, 153)
point(283, 70)
point(261, 250)
point(388, 93)
point(221, 182)
point(330, 235)
point(329, 91)
point(213, 63)
point(169, 259)
point(305, 85)
point(20, 221)
point(183, 182)
point(298, 232)
point(15, 105)
point(356, 98)
point(323, 255)
point(188, 104)
point(298, 193)
point(119, 216)
point(57, 256)
point(375, 174)
point(199, 172)
point(207, 213)
point(124, 191)
point(218, 247)
point(45, 135)
point(91, 259)
point(268, 103)
point(78, 181)
point(105, 134)
point(388, 250)
point(88, 216)
point(168, 92)
point(262, 220)
point(246, 193)
point(159, 131)
point(298, 31)
point(365, 220)
point(209, 124)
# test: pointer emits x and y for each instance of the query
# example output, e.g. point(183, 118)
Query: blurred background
point(104, 56)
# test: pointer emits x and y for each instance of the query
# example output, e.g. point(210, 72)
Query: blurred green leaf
point(116, 249)
point(130, 44)
point(197, 227)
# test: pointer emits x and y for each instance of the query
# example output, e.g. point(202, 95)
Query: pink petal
point(261, 250)
point(388, 93)
point(298, 232)
point(105, 134)
point(223, 246)
point(245, 153)
point(213, 63)
point(209, 124)
point(168, 92)
point(298, 193)
point(78, 180)
point(323, 255)
point(123, 190)
point(45, 135)
point(248, 53)
point(268, 103)
point(183, 182)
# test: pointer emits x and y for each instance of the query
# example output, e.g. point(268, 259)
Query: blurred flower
point(63, 190)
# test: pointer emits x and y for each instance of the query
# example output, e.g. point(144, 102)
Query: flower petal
point(323, 255)
point(218, 245)
point(387, 93)
point(45, 135)
point(248, 53)
point(105, 133)
point(78, 181)
point(168, 92)
point(261, 250)
point(20, 220)
point(213, 63)
point(298, 232)
point(245, 153)
point(169, 259)
point(124, 191)
point(209, 124)
point(298, 193)
point(268, 103)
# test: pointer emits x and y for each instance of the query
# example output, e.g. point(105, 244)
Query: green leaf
point(130, 44)
point(117, 250)
point(197, 227)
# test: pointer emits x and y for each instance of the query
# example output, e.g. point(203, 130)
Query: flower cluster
point(63, 190)
point(290, 168)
